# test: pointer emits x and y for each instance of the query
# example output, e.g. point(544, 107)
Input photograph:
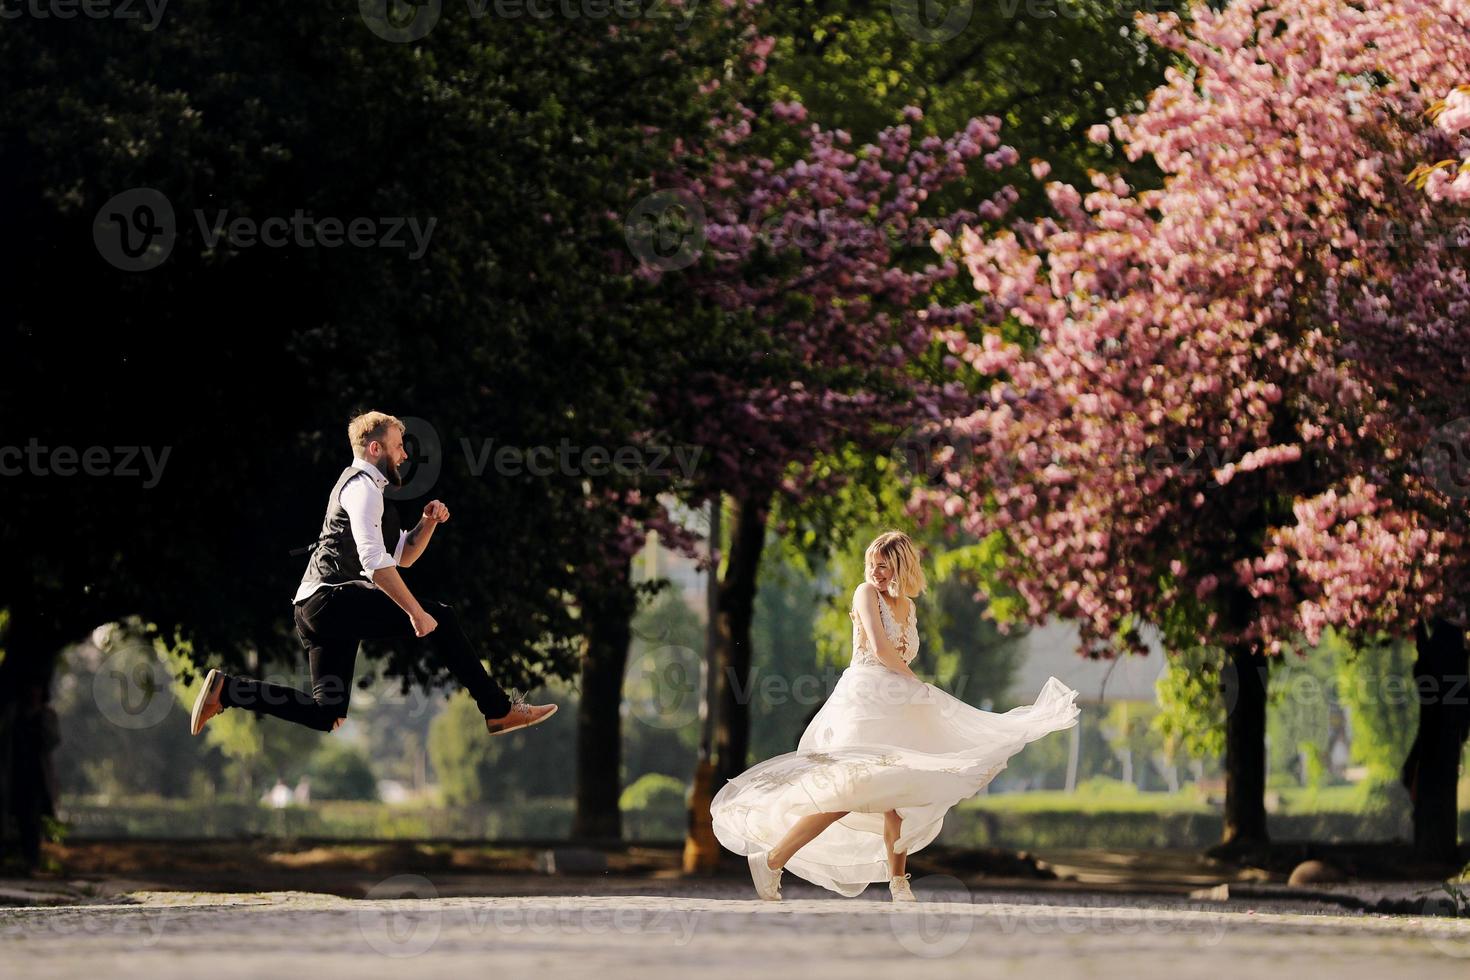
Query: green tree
point(1375, 685)
point(656, 803)
point(116, 708)
point(339, 771)
point(661, 691)
point(788, 681)
point(464, 762)
point(499, 130)
point(513, 768)
point(1135, 742)
point(1299, 718)
point(856, 65)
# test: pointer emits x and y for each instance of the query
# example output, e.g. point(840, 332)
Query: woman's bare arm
point(867, 600)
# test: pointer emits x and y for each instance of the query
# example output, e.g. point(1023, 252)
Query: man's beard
point(388, 468)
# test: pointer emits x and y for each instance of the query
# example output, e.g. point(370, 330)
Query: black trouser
point(331, 622)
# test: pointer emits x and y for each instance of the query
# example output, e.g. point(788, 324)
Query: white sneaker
point(767, 882)
point(899, 886)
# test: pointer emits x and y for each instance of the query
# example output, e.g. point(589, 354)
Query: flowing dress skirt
point(881, 742)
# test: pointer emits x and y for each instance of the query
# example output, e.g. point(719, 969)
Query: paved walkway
point(609, 928)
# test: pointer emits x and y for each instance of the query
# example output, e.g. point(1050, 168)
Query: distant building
point(393, 791)
point(1051, 650)
point(278, 796)
point(656, 561)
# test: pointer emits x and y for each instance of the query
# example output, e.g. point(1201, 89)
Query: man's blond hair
point(367, 427)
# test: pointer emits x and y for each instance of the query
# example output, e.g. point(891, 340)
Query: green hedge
point(655, 807)
point(979, 826)
point(535, 819)
point(1002, 821)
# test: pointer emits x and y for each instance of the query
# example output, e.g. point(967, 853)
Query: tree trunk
point(1432, 768)
point(28, 736)
point(1243, 683)
point(609, 615)
point(737, 605)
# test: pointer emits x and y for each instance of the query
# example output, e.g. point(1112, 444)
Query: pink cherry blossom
point(1240, 371)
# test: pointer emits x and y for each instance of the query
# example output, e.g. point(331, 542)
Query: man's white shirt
point(363, 502)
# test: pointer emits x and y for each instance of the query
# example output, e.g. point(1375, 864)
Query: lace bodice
point(862, 650)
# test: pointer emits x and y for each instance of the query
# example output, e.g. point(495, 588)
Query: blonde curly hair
point(907, 576)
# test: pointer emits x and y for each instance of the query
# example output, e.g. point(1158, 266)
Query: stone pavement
point(607, 928)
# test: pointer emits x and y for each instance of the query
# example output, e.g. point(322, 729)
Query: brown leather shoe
point(521, 715)
point(206, 705)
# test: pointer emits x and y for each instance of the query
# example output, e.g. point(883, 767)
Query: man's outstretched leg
point(332, 657)
point(453, 649)
point(330, 624)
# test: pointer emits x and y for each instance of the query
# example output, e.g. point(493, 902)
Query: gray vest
point(334, 556)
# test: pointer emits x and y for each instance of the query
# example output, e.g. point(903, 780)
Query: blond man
point(352, 591)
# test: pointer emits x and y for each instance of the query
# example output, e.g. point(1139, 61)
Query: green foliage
point(1376, 687)
point(790, 680)
point(258, 750)
point(856, 65)
point(1300, 710)
point(116, 706)
point(980, 561)
point(339, 771)
point(1099, 789)
point(653, 789)
point(968, 654)
point(540, 819)
point(504, 133)
point(661, 689)
point(473, 766)
point(1316, 774)
point(1192, 709)
point(1131, 733)
point(654, 808)
point(1364, 695)
point(462, 753)
point(1146, 827)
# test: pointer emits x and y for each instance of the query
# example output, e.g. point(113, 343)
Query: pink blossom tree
point(1449, 180)
point(818, 272)
point(1176, 385)
point(1387, 552)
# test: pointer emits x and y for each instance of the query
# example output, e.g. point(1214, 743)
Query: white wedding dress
point(883, 741)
